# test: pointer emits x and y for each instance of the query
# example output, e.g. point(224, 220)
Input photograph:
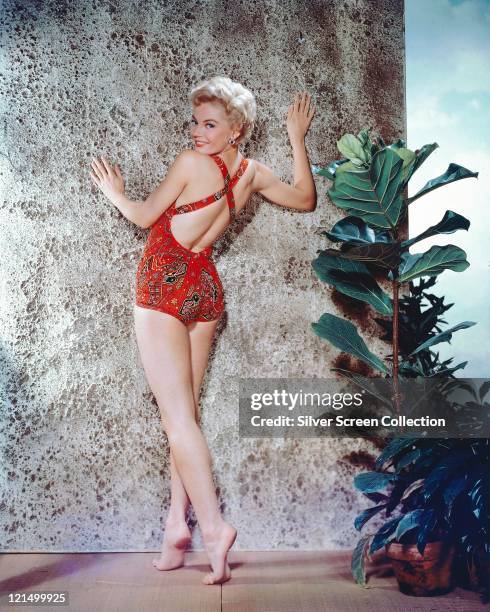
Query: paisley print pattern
point(173, 279)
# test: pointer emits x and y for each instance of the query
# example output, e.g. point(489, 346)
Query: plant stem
point(396, 396)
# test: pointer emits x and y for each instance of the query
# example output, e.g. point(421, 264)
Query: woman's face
point(211, 128)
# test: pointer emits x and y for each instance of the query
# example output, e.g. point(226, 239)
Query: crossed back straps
point(227, 189)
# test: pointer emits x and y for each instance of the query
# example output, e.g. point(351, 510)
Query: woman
point(179, 296)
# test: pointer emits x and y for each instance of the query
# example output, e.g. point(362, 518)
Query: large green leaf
point(432, 262)
point(444, 336)
point(369, 146)
point(380, 254)
point(363, 137)
point(448, 371)
point(351, 147)
point(353, 229)
point(385, 534)
point(407, 459)
point(344, 336)
point(327, 260)
point(480, 496)
point(447, 225)
point(452, 491)
point(365, 288)
point(420, 156)
point(409, 369)
point(359, 555)
point(414, 486)
point(446, 468)
point(372, 194)
point(368, 482)
point(365, 515)
point(408, 157)
point(454, 172)
point(394, 447)
point(362, 382)
point(353, 279)
point(408, 522)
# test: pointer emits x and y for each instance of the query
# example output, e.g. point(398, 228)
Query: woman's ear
point(237, 131)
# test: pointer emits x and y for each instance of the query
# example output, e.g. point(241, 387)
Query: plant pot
point(422, 576)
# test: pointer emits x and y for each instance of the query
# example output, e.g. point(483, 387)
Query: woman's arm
point(301, 195)
point(144, 213)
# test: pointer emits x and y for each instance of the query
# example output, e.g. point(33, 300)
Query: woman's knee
point(179, 429)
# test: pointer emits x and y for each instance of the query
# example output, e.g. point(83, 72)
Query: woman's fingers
point(302, 103)
point(96, 169)
point(296, 103)
point(307, 104)
point(107, 165)
point(101, 168)
point(297, 106)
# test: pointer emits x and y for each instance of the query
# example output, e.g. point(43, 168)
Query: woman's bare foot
point(217, 545)
point(177, 537)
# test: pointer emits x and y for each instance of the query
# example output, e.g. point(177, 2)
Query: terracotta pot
point(422, 576)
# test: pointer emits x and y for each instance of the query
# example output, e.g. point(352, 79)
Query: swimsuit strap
point(227, 189)
point(230, 183)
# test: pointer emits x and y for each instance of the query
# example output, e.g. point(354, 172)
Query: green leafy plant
point(430, 489)
point(420, 485)
point(369, 184)
point(420, 320)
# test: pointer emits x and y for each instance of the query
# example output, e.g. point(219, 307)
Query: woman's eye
point(194, 122)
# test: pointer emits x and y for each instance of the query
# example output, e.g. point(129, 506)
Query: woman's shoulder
point(188, 155)
point(187, 162)
point(190, 159)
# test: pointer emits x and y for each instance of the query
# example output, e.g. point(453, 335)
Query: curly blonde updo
point(239, 102)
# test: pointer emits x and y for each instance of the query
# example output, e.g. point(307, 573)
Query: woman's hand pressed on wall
point(302, 194)
point(107, 179)
point(111, 183)
point(300, 114)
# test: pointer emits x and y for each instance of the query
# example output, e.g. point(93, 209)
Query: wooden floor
point(275, 581)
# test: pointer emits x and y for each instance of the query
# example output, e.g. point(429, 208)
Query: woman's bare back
point(200, 228)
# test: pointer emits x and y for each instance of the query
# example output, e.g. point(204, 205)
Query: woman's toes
point(169, 561)
point(211, 578)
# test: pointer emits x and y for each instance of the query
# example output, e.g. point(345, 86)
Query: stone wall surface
point(86, 464)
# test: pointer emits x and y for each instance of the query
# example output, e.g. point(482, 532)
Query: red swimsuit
point(176, 280)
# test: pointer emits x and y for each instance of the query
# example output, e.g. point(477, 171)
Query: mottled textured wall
point(85, 460)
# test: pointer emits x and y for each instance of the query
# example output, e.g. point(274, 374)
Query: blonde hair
point(239, 102)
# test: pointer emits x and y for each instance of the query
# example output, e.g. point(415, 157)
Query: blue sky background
point(448, 102)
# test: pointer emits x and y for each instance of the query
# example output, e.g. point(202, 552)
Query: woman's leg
point(177, 534)
point(164, 346)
